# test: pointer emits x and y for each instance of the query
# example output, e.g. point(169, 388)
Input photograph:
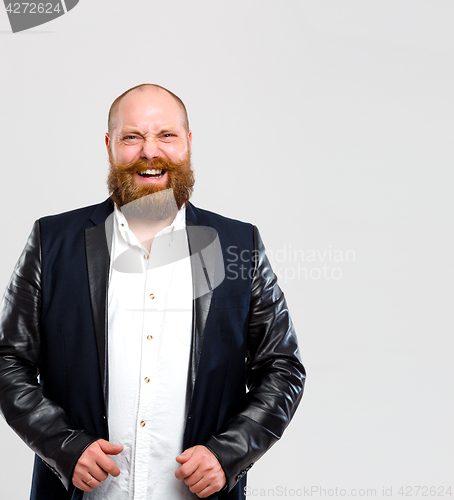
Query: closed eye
point(131, 139)
point(168, 137)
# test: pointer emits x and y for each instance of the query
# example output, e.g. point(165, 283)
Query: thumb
point(185, 456)
point(110, 448)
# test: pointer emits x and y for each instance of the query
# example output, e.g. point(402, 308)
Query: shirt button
point(142, 424)
point(151, 296)
point(146, 256)
point(147, 380)
point(149, 337)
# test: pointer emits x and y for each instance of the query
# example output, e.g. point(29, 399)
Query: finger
point(108, 465)
point(109, 448)
point(96, 462)
point(185, 456)
point(186, 470)
point(80, 476)
point(207, 492)
point(89, 485)
point(92, 481)
point(191, 462)
point(202, 479)
point(82, 486)
point(179, 474)
point(207, 486)
point(98, 473)
point(194, 478)
point(199, 486)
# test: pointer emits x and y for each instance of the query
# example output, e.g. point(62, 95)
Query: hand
point(201, 471)
point(94, 466)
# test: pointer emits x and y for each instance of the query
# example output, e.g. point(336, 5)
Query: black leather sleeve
point(275, 377)
point(42, 424)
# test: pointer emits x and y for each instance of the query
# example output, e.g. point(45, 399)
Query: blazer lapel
point(207, 273)
point(97, 243)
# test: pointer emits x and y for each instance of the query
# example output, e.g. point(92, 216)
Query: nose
point(150, 149)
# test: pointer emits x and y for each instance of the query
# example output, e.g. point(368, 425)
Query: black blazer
point(53, 322)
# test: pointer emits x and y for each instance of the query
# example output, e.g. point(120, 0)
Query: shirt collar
point(179, 222)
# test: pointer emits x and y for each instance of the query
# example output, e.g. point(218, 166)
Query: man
point(146, 318)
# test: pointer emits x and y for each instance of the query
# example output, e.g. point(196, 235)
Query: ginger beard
point(150, 201)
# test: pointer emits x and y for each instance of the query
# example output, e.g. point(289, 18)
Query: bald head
point(149, 88)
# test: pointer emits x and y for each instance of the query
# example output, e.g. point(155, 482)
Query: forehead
point(149, 108)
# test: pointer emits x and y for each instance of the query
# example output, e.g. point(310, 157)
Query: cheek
point(176, 152)
point(126, 155)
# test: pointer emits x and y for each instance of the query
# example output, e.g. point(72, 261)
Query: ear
point(107, 141)
point(190, 138)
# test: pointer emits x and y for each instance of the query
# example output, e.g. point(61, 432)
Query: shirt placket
point(151, 332)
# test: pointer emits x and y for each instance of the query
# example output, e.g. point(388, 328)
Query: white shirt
point(149, 339)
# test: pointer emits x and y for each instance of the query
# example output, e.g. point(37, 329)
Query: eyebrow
point(164, 130)
point(167, 131)
point(129, 131)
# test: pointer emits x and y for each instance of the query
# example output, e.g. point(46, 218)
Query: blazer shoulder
point(79, 216)
point(216, 219)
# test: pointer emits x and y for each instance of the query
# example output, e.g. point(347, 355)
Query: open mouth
point(152, 174)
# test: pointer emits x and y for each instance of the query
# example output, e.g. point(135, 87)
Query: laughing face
point(149, 152)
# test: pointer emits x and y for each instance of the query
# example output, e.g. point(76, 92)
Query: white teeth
point(151, 172)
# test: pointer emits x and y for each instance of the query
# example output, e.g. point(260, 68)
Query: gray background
point(326, 123)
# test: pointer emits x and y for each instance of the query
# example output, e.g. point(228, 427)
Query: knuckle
point(83, 462)
point(109, 467)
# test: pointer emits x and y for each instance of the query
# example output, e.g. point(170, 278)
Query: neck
point(145, 229)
